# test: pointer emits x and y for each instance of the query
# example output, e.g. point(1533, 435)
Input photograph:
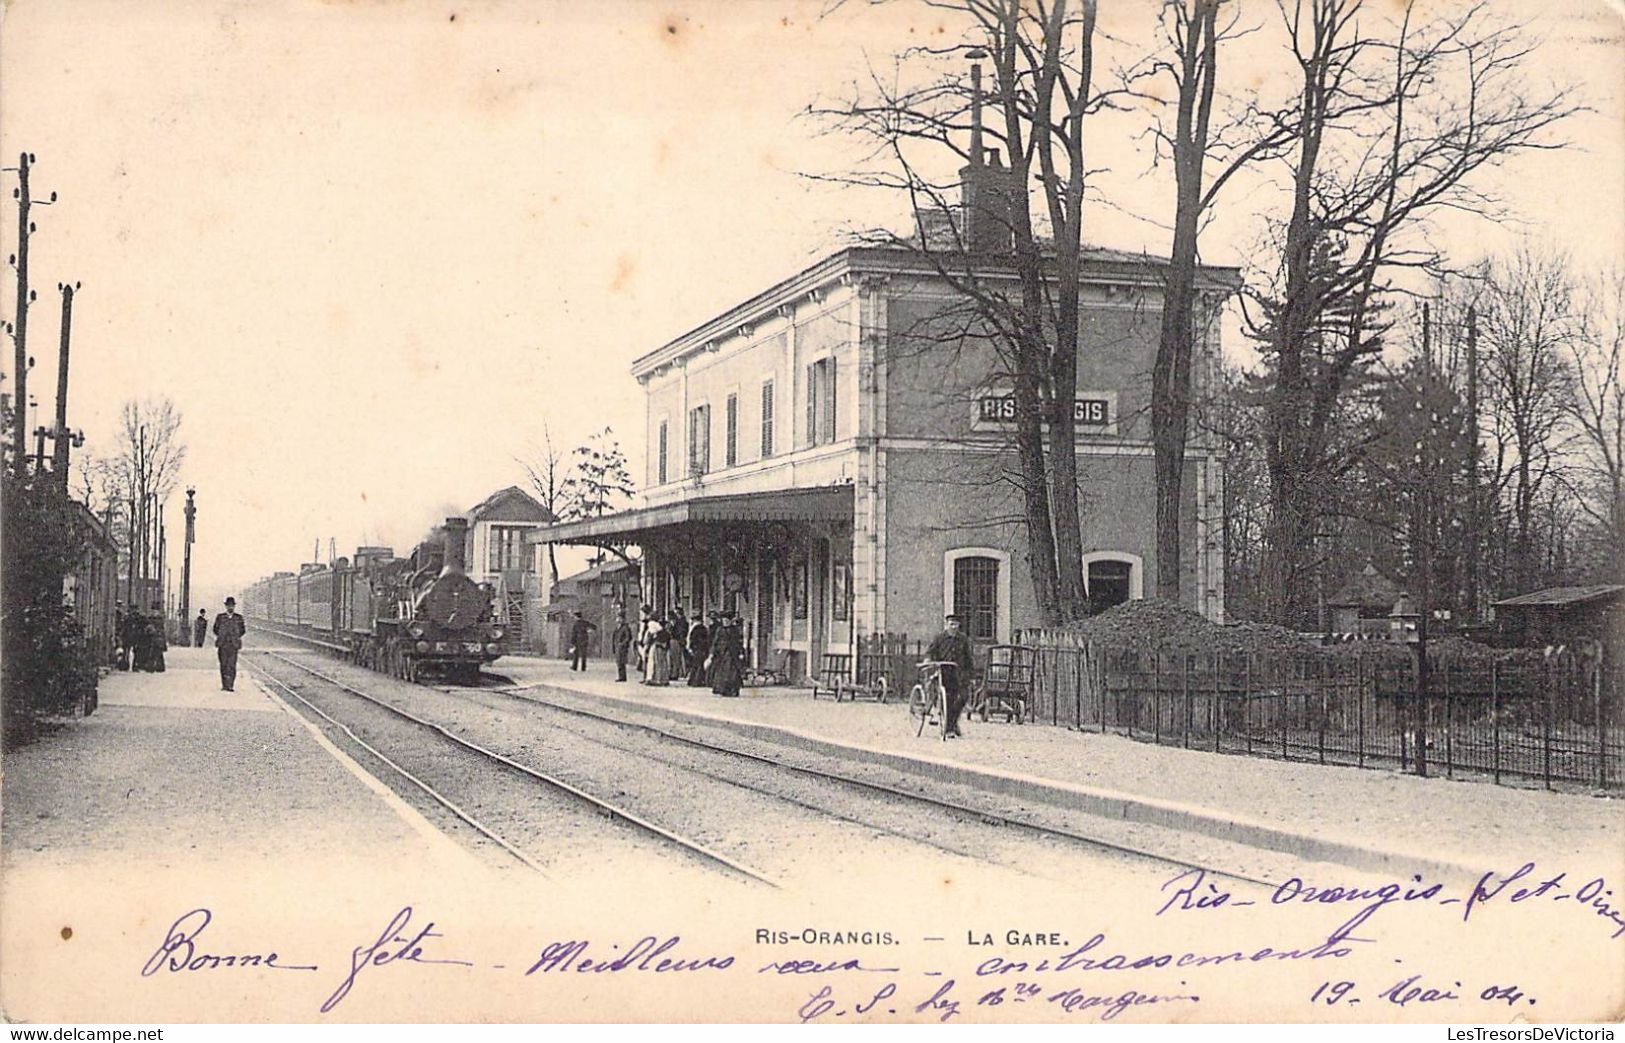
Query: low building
point(598, 593)
point(1364, 606)
point(1561, 615)
point(92, 590)
point(500, 551)
point(833, 458)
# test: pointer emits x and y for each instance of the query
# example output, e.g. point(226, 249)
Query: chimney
point(988, 193)
point(456, 530)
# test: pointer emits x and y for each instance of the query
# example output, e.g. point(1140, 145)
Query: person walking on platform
point(580, 635)
point(699, 646)
point(185, 630)
point(200, 628)
point(727, 657)
point(229, 629)
point(621, 640)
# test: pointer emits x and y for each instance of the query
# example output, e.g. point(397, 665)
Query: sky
point(376, 251)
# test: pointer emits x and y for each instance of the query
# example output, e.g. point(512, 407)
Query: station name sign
point(1000, 409)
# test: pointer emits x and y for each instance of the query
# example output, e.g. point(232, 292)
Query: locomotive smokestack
point(456, 530)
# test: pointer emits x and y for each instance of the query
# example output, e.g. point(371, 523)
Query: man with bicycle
point(952, 646)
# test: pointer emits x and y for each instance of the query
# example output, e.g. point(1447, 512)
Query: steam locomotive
point(407, 617)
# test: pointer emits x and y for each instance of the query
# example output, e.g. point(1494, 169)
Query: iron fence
point(1546, 718)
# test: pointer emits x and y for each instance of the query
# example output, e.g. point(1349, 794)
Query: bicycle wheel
point(917, 709)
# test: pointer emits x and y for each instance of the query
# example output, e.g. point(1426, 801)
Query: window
point(767, 419)
point(731, 447)
point(1110, 583)
point(508, 552)
point(821, 402)
point(976, 596)
point(699, 440)
point(662, 454)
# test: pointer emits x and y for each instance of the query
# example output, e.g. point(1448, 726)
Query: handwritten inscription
point(393, 945)
point(1417, 989)
point(1196, 890)
point(1035, 966)
point(180, 951)
point(647, 954)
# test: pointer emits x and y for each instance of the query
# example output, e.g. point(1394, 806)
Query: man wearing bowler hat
point(952, 646)
point(229, 629)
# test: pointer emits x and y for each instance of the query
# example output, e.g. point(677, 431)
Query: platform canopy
point(829, 503)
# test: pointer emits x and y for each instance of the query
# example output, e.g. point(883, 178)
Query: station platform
point(1373, 820)
point(172, 773)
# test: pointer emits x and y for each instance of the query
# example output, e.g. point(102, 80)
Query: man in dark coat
point(621, 640)
point(951, 646)
point(580, 634)
point(727, 657)
point(677, 626)
point(229, 629)
point(699, 646)
point(200, 628)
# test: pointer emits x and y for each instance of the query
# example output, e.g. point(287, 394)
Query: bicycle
point(928, 699)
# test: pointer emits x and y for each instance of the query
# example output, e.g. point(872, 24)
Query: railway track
point(692, 848)
point(960, 808)
point(892, 794)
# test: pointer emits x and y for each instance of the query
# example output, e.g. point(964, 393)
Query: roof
point(825, 503)
point(599, 571)
point(1100, 265)
point(1369, 589)
point(1555, 596)
point(510, 504)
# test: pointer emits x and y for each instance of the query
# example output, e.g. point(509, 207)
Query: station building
point(833, 457)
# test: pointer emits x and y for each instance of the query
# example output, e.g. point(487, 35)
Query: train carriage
point(403, 616)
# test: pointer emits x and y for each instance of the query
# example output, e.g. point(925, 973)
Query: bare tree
point(143, 472)
point(1597, 409)
point(1193, 32)
point(546, 470)
point(1529, 326)
point(1385, 131)
point(1016, 254)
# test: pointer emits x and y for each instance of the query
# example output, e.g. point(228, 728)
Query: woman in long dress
point(657, 656)
point(727, 657)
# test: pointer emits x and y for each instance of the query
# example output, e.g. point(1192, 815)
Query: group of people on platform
point(708, 650)
point(142, 641)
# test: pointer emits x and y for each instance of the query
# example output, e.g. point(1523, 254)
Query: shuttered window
point(767, 419)
point(699, 440)
point(821, 402)
point(731, 447)
point(662, 455)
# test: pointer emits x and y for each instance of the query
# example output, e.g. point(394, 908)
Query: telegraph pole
point(24, 229)
point(59, 453)
point(186, 560)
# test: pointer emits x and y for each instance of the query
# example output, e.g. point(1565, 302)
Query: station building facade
point(833, 458)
